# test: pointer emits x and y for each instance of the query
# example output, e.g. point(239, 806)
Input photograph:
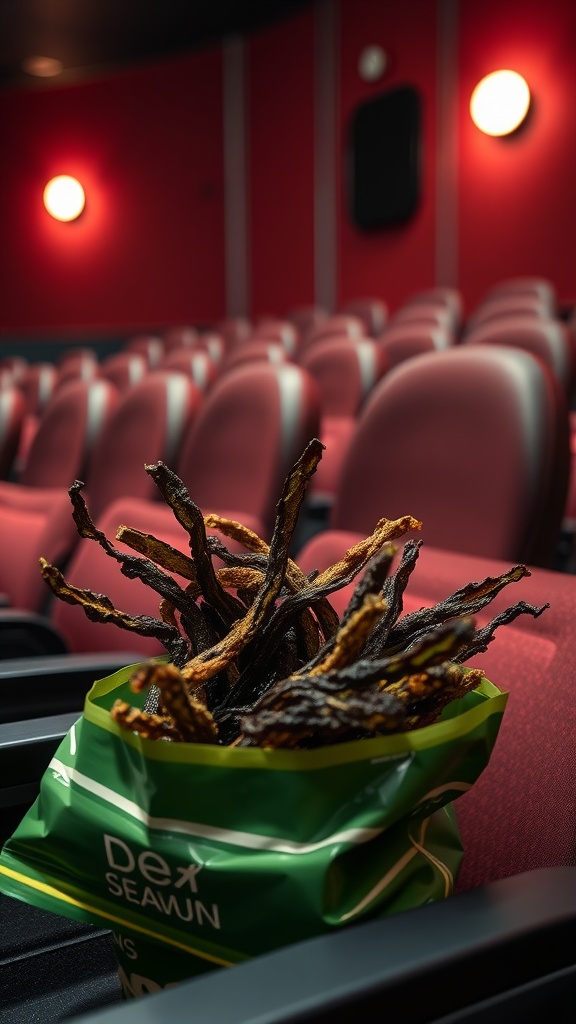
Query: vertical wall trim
point(326, 14)
point(235, 178)
point(446, 254)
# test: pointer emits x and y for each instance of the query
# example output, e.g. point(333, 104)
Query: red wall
point(149, 246)
point(517, 195)
point(280, 158)
point(392, 262)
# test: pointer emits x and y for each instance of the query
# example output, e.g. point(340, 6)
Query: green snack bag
point(199, 856)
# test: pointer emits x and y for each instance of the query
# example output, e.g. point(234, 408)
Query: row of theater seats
point(347, 353)
point(488, 478)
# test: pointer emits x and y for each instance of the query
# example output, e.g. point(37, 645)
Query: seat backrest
point(448, 298)
point(16, 366)
point(185, 336)
point(77, 365)
point(540, 287)
point(337, 323)
point(214, 343)
point(234, 330)
point(434, 314)
point(253, 426)
point(306, 317)
point(195, 362)
point(548, 339)
point(255, 349)
point(473, 441)
point(38, 385)
point(124, 369)
point(68, 429)
point(372, 312)
point(345, 371)
point(147, 426)
point(12, 412)
point(282, 331)
point(90, 567)
point(402, 341)
point(151, 346)
point(507, 306)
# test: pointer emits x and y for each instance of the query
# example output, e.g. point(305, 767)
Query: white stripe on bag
point(220, 835)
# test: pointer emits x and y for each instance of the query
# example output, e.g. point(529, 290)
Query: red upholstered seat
point(281, 331)
point(124, 369)
point(68, 429)
point(249, 432)
point(372, 312)
point(306, 317)
point(37, 385)
point(196, 363)
point(431, 313)
point(12, 413)
point(35, 511)
point(474, 442)
point(512, 305)
point(185, 336)
point(234, 330)
point(345, 371)
point(147, 425)
point(257, 349)
point(253, 425)
point(540, 287)
point(77, 364)
point(546, 338)
point(402, 341)
point(151, 346)
point(338, 323)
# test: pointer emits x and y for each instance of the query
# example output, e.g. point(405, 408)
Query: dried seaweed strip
point(149, 726)
point(237, 531)
point(295, 578)
point(189, 515)
point(130, 566)
point(99, 608)
point(371, 582)
point(309, 717)
point(424, 706)
point(485, 634)
point(359, 554)
point(469, 600)
point(393, 593)
point(190, 716)
point(243, 630)
point(158, 551)
point(444, 643)
point(324, 584)
point(351, 638)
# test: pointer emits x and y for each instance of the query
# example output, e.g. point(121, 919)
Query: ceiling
point(92, 37)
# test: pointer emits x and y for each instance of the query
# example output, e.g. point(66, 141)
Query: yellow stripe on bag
point(49, 890)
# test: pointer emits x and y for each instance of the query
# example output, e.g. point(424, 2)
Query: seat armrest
point(27, 634)
point(462, 959)
point(34, 687)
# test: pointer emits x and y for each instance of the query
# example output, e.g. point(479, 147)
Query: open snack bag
point(280, 772)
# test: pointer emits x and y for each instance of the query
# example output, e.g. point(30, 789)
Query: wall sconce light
point(500, 102)
point(372, 63)
point(64, 198)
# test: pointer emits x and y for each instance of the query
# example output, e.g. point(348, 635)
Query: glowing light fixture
point(64, 197)
point(500, 102)
point(42, 67)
